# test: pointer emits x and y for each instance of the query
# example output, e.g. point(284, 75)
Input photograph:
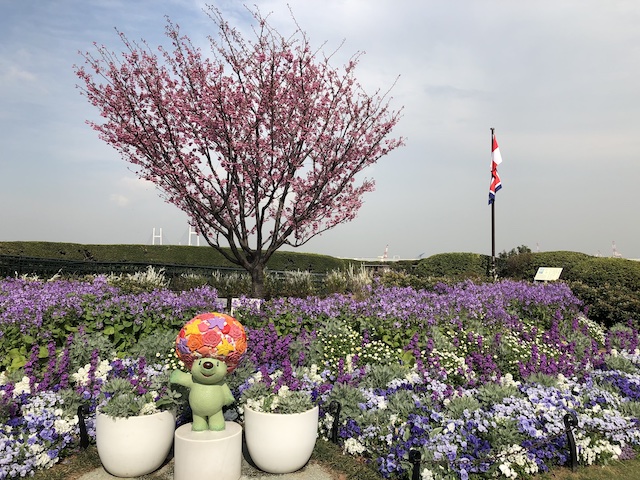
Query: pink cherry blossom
point(261, 144)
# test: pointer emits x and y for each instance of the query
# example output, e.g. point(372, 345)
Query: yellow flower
point(224, 347)
point(192, 328)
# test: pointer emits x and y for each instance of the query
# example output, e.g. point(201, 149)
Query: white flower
point(517, 456)
point(255, 404)
point(590, 451)
point(353, 446)
point(149, 409)
point(65, 425)
point(284, 391)
point(427, 474)
point(44, 461)
point(328, 421)
point(35, 448)
point(506, 470)
point(104, 367)
point(313, 374)
point(22, 387)
point(413, 377)
point(256, 377)
point(508, 381)
point(81, 377)
point(349, 367)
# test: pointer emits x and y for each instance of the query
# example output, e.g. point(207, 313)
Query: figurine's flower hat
point(212, 335)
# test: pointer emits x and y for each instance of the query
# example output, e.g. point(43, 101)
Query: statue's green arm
point(181, 378)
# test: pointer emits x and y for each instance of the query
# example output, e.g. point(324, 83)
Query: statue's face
point(208, 371)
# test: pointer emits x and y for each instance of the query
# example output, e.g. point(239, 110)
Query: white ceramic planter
point(134, 446)
point(280, 443)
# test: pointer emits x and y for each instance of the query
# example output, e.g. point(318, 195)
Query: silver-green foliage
point(232, 284)
point(137, 282)
point(261, 397)
point(155, 347)
point(631, 409)
point(543, 379)
point(457, 405)
point(349, 398)
point(84, 344)
point(379, 376)
point(122, 401)
point(621, 363)
point(491, 393)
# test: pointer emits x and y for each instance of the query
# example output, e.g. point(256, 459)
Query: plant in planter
point(136, 417)
point(261, 398)
point(281, 417)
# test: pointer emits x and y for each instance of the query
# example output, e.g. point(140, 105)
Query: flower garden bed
point(475, 378)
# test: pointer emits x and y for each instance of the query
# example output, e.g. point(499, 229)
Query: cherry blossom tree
point(260, 143)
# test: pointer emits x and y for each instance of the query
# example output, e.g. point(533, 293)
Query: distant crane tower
point(157, 236)
point(616, 253)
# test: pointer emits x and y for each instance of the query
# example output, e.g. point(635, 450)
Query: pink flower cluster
point(212, 335)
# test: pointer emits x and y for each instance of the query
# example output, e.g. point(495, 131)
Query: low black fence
point(11, 266)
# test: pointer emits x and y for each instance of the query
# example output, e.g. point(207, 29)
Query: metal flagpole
point(493, 225)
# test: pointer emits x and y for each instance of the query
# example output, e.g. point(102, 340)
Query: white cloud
point(132, 190)
point(15, 74)
point(119, 199)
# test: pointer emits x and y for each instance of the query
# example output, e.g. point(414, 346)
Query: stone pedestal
point(208, 455)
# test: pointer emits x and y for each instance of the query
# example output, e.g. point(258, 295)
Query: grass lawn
point(616, 470)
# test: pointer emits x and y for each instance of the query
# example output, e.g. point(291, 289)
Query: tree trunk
point(257, 281)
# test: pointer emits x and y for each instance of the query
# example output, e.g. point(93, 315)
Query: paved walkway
point(311, 471)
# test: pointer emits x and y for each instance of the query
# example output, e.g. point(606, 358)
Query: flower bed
point(37, 313)
point(477, 378)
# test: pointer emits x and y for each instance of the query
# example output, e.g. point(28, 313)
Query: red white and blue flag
point(496, 159)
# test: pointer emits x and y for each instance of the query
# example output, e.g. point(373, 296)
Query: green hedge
point(597, 271)
point(164, 254)
point(524, 266)
point(576, 267)
point(455, 265)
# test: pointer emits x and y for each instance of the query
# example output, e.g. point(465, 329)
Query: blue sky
point(559, 81)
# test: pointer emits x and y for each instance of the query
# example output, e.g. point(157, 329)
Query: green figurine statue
point(210, 345)
point(208, 392)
